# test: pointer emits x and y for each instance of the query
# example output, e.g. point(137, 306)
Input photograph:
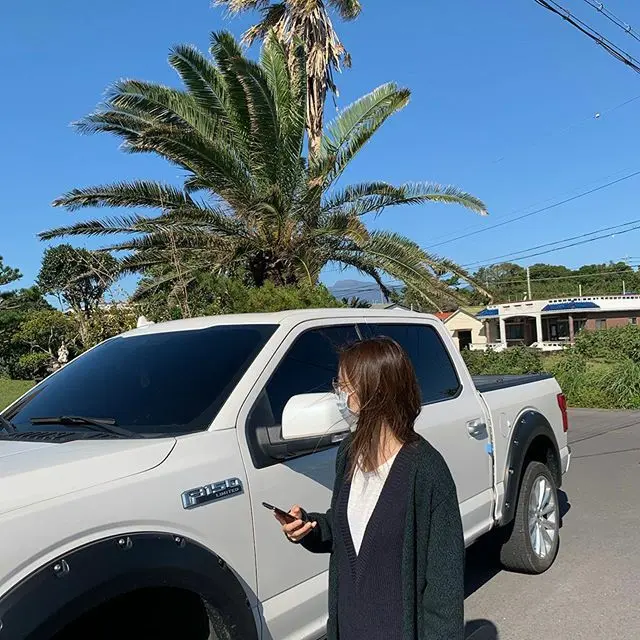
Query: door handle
point(476, 427)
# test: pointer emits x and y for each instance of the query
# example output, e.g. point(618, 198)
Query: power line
point(591, 33)
point(572, 276)
point(537, 211)
point(348, 292)
point(538, 203)
point(612, 17)
point(575, 244)
point(556, 242)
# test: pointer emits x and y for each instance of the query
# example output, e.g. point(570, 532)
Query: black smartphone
point(283, 514)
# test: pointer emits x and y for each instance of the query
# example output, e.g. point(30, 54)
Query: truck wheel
point(158, 613)
point(532, 539)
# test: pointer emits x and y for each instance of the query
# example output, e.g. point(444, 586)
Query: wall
point(463, 322)
point(614, 319)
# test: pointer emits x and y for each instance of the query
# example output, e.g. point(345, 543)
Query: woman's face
point(353, 401)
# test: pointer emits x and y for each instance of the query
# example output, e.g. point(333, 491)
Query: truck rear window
point(159, 383)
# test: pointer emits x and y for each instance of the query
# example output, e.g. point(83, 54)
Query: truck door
point(452, 419)
point(292, 583)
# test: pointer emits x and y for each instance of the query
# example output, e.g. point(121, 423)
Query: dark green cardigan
point(433, 551)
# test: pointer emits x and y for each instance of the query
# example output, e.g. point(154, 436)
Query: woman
point(393, 530)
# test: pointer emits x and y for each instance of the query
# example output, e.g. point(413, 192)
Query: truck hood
point(31, 472)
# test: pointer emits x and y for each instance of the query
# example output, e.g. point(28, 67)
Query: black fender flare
point(529, 426)
point(59, 592)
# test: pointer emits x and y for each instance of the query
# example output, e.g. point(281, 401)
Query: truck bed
point(484, 384)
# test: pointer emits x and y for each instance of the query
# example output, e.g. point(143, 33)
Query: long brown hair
point(380, 373)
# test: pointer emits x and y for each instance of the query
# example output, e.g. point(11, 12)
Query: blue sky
point(504, 96)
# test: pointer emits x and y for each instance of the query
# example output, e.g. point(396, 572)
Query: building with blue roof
point(553, 324)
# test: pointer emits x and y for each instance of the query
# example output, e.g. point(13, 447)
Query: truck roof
point(280, 318)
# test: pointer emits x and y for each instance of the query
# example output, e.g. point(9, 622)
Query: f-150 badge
point(211, 492)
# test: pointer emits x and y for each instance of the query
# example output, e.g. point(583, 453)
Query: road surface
point(592, 592)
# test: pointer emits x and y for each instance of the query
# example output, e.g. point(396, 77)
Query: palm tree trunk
point(316, 96)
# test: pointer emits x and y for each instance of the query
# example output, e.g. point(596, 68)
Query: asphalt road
point(593, 589)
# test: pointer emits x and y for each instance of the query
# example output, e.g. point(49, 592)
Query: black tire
point(161, 614)
point(517, 552)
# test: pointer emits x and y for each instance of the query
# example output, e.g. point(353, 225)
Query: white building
point(552, 324)
point(467, 331)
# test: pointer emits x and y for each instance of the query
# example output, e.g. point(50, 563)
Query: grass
point(12, 389)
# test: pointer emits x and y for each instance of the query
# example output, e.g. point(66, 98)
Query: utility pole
point(580, 290)
point(624, 288)
point(529, 283)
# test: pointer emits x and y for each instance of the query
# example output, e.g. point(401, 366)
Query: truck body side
point(81, 518)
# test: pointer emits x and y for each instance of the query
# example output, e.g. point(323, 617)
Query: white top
point(366, 488)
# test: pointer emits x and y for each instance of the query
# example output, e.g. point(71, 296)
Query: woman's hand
point(298, 529)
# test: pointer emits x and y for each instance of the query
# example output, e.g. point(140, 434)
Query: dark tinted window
point(436, 373)
point(171, 382)
point(308, 367)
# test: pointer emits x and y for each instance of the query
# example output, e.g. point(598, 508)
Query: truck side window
point(436, 374)
point(308, 367)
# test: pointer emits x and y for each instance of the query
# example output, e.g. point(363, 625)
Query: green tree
point(267, 210)
point(109, 322)
point(270, 297)
point(8, 274)
point(41, 334)
point(307, 22)
point(78, 277)
point(15, 308)
point(508, 281)
point(213, 295)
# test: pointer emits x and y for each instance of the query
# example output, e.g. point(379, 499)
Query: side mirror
point(312, 415)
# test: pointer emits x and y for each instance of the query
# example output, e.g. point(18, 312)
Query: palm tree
point(251, 203)
point(308, 22)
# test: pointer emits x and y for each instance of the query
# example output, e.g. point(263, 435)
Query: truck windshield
point(159, 383)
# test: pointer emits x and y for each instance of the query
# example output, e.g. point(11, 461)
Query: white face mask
point(350, 417)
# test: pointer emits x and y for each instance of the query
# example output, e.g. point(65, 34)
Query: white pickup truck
point(132, 480)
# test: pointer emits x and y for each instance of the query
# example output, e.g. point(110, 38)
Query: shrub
point(569, 369)
point(512, 361)
point(597, 385)
point(270, 297)
point(621, 383)
point(610, 345)
point(34, 365)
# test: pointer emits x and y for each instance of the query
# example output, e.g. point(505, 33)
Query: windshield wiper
point(7, 425)
point(103, 425)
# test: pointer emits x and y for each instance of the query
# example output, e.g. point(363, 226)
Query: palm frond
point(286, 78)
point(113, 225)
point(382, 101)
point(448, 266)
point(139, 193)
point(404, 260)
point(342, 226)
point(218, 164)
point(128, 126)
point(164, 105)
point(363, 264)
point(361, 199)
point(354, 127)
point(264, 131)
point(237, 6)
point(348, 9)
point(226, 51)
point(206, 85)
point(272, 16)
